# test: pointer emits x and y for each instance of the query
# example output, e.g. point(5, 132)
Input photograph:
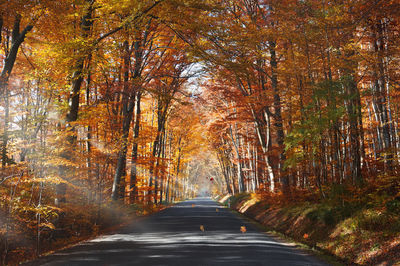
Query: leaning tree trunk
point(16, 41)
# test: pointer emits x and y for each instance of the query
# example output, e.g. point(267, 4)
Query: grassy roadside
point(358, 235)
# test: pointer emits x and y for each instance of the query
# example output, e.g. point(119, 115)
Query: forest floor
point(356, 236)
point(78, 224)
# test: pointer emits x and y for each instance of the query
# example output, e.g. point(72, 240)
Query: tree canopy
point(143, 103)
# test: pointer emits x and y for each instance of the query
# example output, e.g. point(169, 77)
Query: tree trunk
point(136, 132)
point(17, 39)
point(236, 145)
point(379, 93)
point(161, 117)
point(128, 105)
point(284, 179)
point(72, 115)
point(4, 157)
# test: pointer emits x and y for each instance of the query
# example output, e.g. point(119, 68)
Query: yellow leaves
point(50, 179)
point(48, 225)
point(59, 161)
point(202, 42)
point(202, 228)
point(120, 6)
point(243, 229)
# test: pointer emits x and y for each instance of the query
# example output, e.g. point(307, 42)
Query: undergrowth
point(358, 225)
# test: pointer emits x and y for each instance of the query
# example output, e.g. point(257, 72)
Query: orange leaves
point(48, 225)
point(243, 229)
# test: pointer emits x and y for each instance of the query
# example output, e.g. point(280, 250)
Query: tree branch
point(144, 12)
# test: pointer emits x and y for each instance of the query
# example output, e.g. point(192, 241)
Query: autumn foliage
point(143, 103)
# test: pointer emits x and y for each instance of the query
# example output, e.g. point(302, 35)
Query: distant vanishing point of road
point(174, 237)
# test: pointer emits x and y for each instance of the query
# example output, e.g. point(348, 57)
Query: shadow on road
point(174, 237)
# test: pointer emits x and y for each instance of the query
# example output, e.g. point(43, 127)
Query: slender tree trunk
point(236, 145)
point(156, 149)
point(354, 127)
point(4, 157)
point(88, 142)
point(72, 115)
point(168, 185)
point(284, 179)
point(128, 105)
point(136, 132)
point(379, 93)
point(162, 181)
point(178, 169)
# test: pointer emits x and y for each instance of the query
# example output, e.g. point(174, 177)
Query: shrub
point(323, 214)
point(378, 221)
point(393, 206)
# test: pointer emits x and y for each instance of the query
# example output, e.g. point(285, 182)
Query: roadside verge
point(350, 239)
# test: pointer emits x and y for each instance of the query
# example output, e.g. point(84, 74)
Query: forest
point(113, 108)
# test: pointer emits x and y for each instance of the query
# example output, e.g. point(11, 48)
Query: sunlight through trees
point(109, 108)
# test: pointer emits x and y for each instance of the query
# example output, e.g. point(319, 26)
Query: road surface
point(174, 237)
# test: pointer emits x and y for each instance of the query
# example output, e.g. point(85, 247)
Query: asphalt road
point(174, 237)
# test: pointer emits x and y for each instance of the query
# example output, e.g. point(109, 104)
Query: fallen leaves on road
point(243, 229)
